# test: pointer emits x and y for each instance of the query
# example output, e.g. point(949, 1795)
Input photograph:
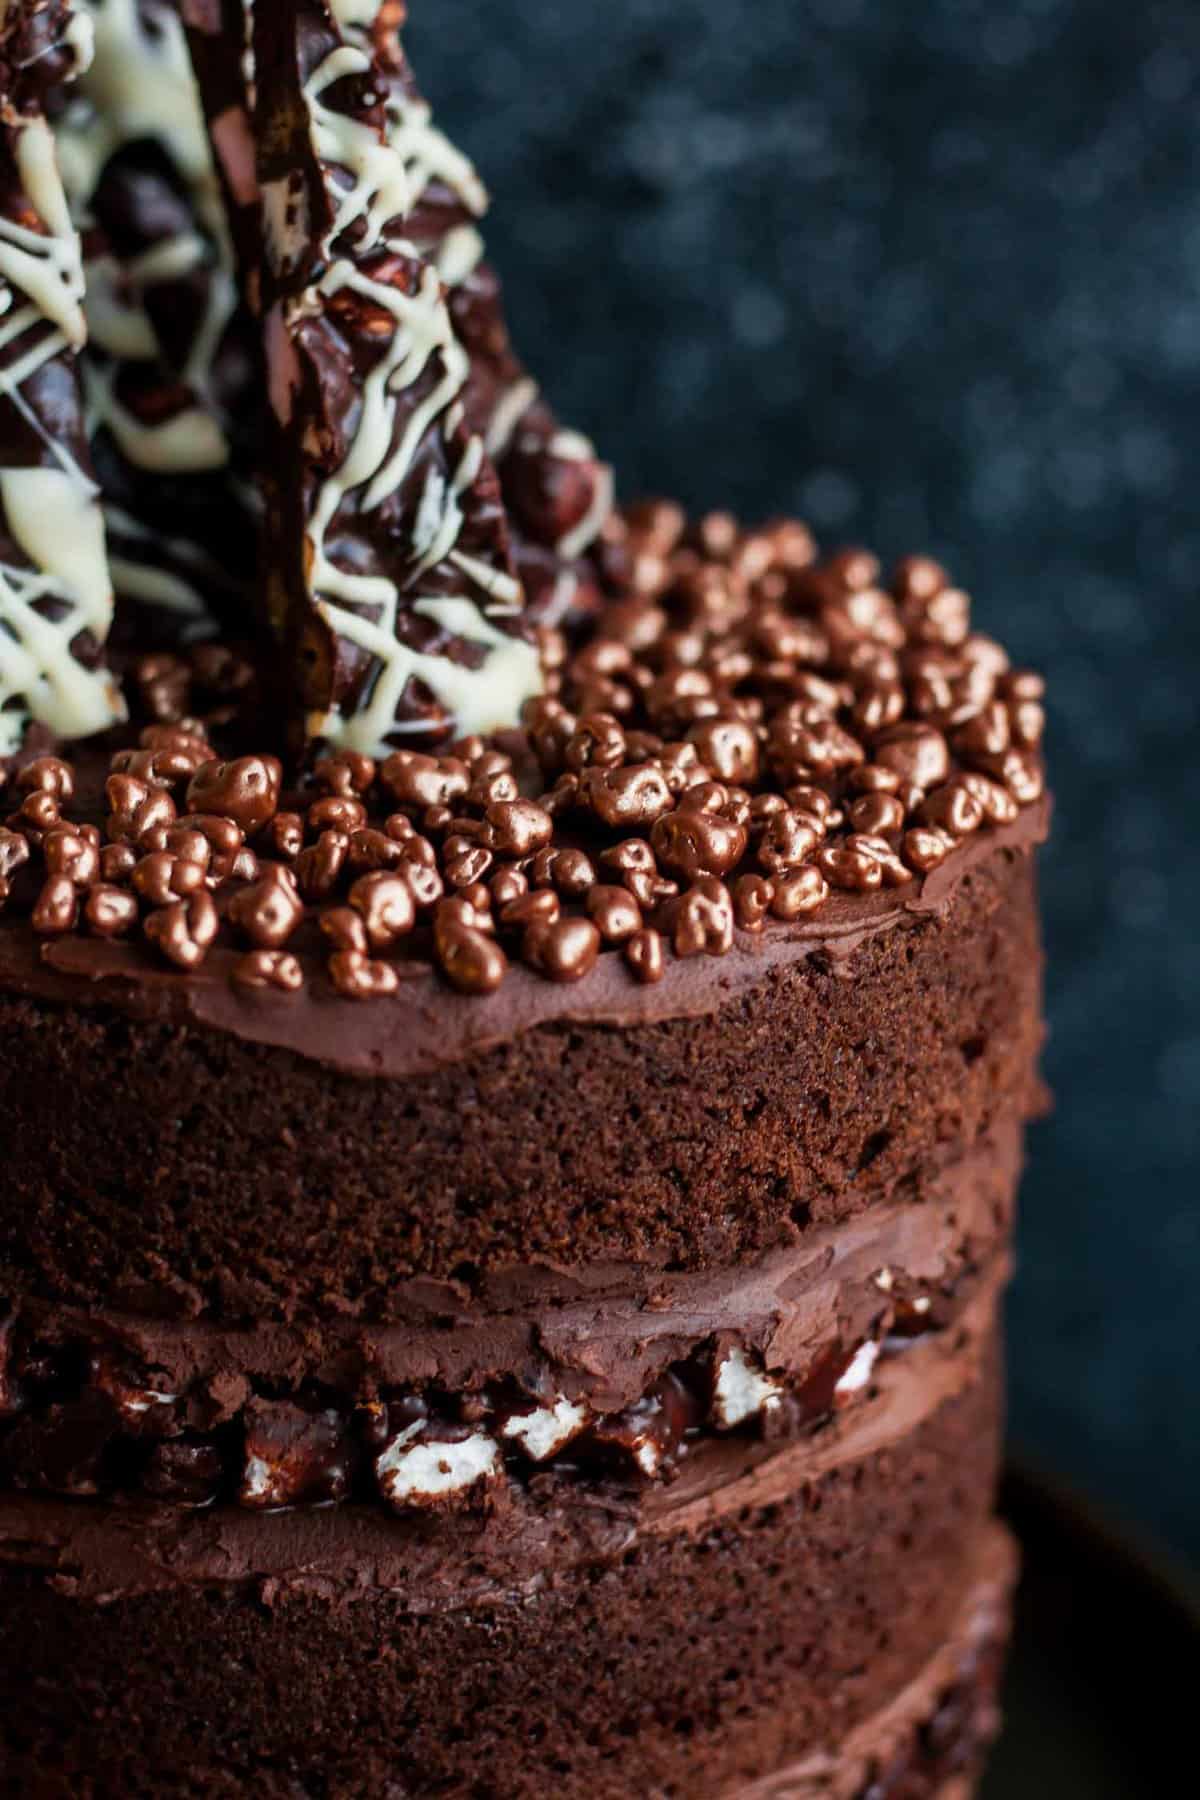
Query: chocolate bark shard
point(219, 39)
point(172, 362)
point(557, 491)
point(55, 587)
point(390, 574)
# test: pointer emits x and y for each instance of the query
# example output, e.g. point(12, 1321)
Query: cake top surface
point(749, 748)
point(691, 747)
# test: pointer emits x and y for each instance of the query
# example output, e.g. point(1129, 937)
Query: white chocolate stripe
point(354, 14)
point(510, 410)
point(141, 86)
point(52, 513)
point(458, 255)
point(576, 541)
point(381, 190)
point(46, 267)
point(384, 183)
point(428, 155)
point(132, 547)
point(188, 441)
point(56, 522)
point(117, 325)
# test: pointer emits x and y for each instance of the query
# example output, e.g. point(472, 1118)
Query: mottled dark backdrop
point(928, 272)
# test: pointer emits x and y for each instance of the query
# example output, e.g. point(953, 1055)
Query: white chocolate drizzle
point(428, 155)
point(572, 446)
point(353, 15)
point(55, 519)
point(132, 548)
point(140, 86)
point(363, 609)
point(509, 412)
point(187, 442)
point(425, 152)
point(63, 588)
point(381, 190)
point(45, 265)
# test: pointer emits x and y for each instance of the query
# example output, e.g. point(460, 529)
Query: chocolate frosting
point(736, 1475)
point(598, 1333)
point(424, 1026)
point(102, 1553)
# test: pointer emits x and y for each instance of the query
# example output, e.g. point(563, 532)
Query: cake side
point(537, 1211)
point(816, 1563)
point(811, 1594)
point(800, 1095)
point(504, 1214)
point(589, 1376)
point(738, 936)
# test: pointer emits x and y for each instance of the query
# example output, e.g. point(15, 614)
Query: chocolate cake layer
point(929, 1742)
point(502, 1225)
point(800, 1080)
point(688, 1642)
point(599, 1372)
point(528, 1322)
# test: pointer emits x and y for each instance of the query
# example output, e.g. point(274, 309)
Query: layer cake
point(514, 1057)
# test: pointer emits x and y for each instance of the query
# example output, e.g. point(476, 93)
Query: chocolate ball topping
point(741, 738)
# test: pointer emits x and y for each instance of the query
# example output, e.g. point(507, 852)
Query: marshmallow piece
point(859, 1373)
point(543, 1433)
point(648, 1455)
point(413, 1471)
point(133, 1402)
point(741, 1391)
point(257, 1482)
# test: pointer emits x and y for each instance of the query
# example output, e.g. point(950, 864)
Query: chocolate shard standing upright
point(171, 370)
point(219, 36)
point(388, 561)
point(55, 586)
point(557, 491)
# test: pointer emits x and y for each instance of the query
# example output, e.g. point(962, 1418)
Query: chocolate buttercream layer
point(424, 1028)
point(677, 1645)
point(601, 1331)
point(168, 1163)
point(606, 1373)
point(480, 1555)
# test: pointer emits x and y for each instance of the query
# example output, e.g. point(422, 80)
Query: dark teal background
point(928, 273)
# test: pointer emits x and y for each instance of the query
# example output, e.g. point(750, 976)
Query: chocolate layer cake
point(513, 1084)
